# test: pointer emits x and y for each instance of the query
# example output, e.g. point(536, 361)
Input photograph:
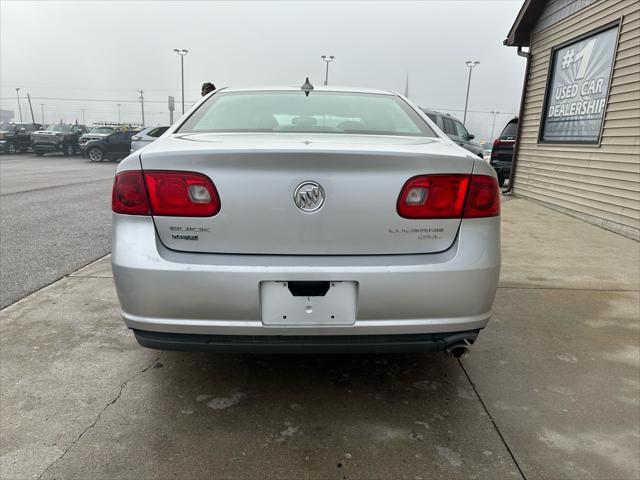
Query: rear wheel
point(11, 148)
point(95, 154)
point(67, 150)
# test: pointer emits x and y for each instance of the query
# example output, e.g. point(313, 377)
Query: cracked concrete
point(557, 373)
point(112, 402)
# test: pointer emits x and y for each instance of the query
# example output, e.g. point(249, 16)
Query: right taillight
point(433, 196)
point(449, 196)
point(484, 197)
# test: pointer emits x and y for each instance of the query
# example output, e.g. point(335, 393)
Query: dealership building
point(578, 147)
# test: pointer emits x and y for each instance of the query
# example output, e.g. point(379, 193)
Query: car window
point(118, 137)
point(460, 130)
point(511, 129)
point(102, 130)
point(319, 112)
point(156, 132)
point(449, 129)
point(61, 128)
point(433, 118)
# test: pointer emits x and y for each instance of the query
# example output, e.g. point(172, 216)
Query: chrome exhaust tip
point(458, 349)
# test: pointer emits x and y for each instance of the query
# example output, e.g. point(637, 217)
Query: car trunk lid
point(256, 176)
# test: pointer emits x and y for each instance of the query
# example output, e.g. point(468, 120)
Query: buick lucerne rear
point(297, 220)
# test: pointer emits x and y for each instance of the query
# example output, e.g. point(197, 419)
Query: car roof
point(436, 112)
point(316, 88)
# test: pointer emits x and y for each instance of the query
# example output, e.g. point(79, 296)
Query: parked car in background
point(146, 136)
point(96, 133)
point(251, 226)
point(116, 145)
point(16, 137)
point(455, 130)
point(502, 151)
point(57, 137)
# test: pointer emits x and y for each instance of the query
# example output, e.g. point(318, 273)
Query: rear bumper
point(165, 291)
point(425, 342)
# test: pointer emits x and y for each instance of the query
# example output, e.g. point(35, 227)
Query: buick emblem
point(308, 196)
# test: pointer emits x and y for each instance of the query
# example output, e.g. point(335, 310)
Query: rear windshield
point(320, 112)
point(511, 129)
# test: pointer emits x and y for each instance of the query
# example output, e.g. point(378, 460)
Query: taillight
point(484, 197)
point(433, 196)
point(129, 195)
point(178, 194)
point(449, 196)
point(181, 194)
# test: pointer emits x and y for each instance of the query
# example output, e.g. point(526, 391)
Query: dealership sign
point(576, 96)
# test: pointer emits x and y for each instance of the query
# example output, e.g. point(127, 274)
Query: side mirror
point(470, 136)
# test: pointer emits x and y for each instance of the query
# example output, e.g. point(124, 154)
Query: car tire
point(95, 154)
point(68, 150)
point(10, 148)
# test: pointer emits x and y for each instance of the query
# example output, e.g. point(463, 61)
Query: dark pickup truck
point(16, 137)
point(58, 137)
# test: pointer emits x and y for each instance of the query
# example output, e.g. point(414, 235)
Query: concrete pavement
point(550, 390)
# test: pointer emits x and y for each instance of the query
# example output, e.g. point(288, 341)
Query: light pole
point(42, 112)
point(182, 52)
point(493, 124)
point(327, 60)
point(141, 92)
point(118, 112)
point(18, 97)
point(471, 64)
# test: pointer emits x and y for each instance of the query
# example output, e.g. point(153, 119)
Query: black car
point(58, 137)
point(16, 137)
point(114, 146)
point(96, 133)
point(455, 130)
point(502, 151)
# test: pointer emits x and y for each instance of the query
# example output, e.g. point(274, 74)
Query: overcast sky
point(108, 50)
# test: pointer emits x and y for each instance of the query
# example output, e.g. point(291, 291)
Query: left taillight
point(129, 195)
point(164, 193)
point(181, 194)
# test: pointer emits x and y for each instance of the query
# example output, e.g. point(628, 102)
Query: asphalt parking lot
point(550, 390)
point(55, 217)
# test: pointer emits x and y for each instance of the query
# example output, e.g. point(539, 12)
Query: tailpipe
point(458, 349)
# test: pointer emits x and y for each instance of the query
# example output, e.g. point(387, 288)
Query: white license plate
point(336, 307)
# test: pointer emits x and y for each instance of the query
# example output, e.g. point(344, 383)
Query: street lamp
point(182, 52)
point(118, 112)
point(141, 98)
point(18, 97)
point(493, 124)
point(327, 60)
point(471, 64)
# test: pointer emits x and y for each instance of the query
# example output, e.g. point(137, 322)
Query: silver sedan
point(305, 220)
